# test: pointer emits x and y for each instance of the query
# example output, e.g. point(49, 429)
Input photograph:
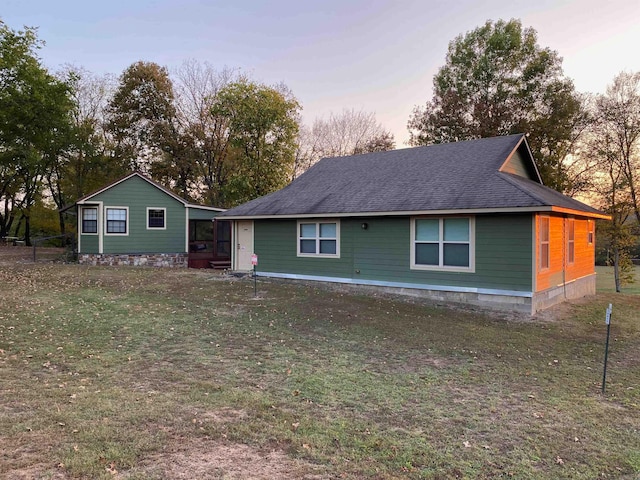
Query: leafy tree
point(86, 163)
point(496, 81)
point(34, 121)
point(348, 133)
point(262, 128)
point(141, 114)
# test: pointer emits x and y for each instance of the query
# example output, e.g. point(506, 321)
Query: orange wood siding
point(584, 263)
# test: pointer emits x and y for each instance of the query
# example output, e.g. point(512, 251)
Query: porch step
point(220, 264)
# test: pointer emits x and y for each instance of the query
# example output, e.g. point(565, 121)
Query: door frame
point(243, 245)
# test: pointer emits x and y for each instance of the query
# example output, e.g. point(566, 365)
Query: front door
point(244, 245)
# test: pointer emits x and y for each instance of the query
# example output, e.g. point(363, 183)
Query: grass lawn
point(136, 373)
point(606, 281)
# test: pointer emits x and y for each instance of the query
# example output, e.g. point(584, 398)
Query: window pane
point(456, 255)
point(90, 214)
point(544, 255)
point(544, 229)
point(428, 230)
point(116, 226)
point(308, 230)
point(456, 229)
point(116, 214)
point(328, 247)
point(89, 226)
point(328, 230)
point(307, 246)
point(427, 254)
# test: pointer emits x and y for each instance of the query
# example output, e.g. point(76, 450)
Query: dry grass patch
point(158, 373)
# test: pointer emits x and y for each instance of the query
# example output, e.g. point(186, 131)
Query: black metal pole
point(606, 353)
point(255, 284)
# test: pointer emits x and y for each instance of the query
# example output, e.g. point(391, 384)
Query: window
point(155, 218)
point(442, 243)
point(544, 242)
point(571, 240)
point(590, 232)
point(319, 239)
point(90, 220)
point(117, 221)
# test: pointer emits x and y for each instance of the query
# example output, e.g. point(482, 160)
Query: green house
point(136, 221)
point(465, 222)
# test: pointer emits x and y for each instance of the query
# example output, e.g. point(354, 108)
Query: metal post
point(255, 284)
point(606, 348)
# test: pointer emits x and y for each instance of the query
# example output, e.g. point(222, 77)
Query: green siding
point(202, 214)
point(137, 194)
point(382, 253)
point(89, 244)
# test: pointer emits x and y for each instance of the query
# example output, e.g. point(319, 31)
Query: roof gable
point(520, 162)
point(87, 198)
point(126, 178)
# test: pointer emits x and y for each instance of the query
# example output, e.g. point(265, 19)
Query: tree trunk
point(616, 267)
point(27, 231)
point(61, 220)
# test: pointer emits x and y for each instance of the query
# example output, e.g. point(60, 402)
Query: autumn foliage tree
point(497, 80)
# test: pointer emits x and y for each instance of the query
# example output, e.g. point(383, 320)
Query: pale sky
point(375, 55)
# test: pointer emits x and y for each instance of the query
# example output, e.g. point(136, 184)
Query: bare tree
point(618, 111)
point(613, 143)
point(207, 135)
point(348, 133)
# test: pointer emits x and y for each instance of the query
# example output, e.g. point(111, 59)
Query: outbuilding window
point(89, 220)
point(445, 243)
point(319, 239)
point(117, 220)
point(156, 218)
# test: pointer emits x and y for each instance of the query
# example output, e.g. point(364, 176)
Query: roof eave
point(465, 211)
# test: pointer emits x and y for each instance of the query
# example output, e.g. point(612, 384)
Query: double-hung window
point(319, 239)
point(156, 218)
point(89, 220)
point(571, 240)
point(116, 220)
point(443, 244)
point(543, 234)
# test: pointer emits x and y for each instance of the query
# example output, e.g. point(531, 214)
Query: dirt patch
point(207, 459)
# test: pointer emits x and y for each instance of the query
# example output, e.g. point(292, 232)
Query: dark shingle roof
point(453, 176)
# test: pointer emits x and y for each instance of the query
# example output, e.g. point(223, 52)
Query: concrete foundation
point(578, 288)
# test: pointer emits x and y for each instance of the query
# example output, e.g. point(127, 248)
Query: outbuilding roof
point(489, 174)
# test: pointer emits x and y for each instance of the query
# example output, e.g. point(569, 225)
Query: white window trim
point(590, 232)
point(106, 221)
point(82, 209)
point(443, 268)
point(318, 222)
point(165, 218)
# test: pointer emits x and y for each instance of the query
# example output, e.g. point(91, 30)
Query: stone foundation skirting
point(138, 260)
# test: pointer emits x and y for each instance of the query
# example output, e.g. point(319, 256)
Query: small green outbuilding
point(136, 221)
